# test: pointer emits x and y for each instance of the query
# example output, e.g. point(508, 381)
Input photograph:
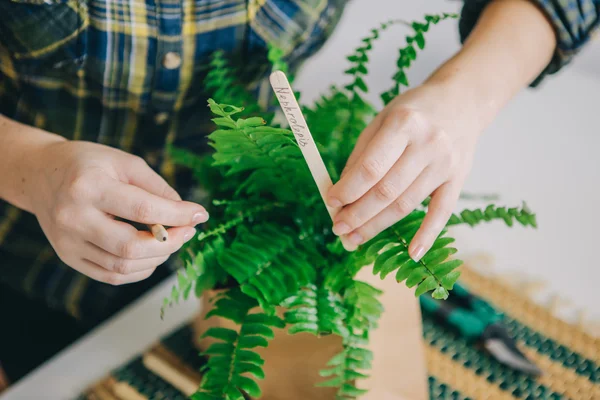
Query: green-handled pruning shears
point(477, 321)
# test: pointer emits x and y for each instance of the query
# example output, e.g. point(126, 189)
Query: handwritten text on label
point(289, 106)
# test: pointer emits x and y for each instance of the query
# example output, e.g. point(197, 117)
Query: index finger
point(124, 241)
point(135, 204)
point(380, 154)
point(361, 143)
point(438, 213)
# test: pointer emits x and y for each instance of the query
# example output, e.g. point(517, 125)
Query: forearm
point(19, 145)
point(511, 44)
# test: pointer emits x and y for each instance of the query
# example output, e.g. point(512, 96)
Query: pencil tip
point(164, 238)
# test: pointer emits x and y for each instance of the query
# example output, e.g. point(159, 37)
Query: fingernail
point(200, 218)
point(418, 253)
point(189, 234)
point(348, 245)
point(355, 238)
point(341, 228)
point(333, 202)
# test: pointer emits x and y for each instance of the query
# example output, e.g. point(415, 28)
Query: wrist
point(498, 59)
point(21, 156)
point(470, 97)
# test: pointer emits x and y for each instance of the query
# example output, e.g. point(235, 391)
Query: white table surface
point(543, 148)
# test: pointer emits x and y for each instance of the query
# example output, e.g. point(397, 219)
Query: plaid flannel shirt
point(129, 74)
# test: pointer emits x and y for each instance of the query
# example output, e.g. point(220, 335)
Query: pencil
point(159, 232)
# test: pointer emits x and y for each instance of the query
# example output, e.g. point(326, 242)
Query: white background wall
point(543, 148)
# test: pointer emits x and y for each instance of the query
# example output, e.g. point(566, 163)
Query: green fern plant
point(233, 350)
point(269, 243)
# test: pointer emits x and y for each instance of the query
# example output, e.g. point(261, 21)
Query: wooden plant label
point(293, 114)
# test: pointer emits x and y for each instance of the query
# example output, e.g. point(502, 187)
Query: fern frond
point(201, 272)
point(232, 359)
point(366, 307)
point(433, 272)
point(186, 278)
point(270, 155)
point(250, 210)
point(522, 215)
point(345, 369)
point(359, 111)
point(340, 274)
point(342, 267)
point(222, 83)
point(364, 311)
point(186, 158)
point(200, 166)
point(268, 264)
point(275, 56)
point(409, 53)
point(317, 310)
point(359, 58)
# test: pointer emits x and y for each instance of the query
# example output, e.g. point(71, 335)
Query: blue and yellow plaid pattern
point(96, 70)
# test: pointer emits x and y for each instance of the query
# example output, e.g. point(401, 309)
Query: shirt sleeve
point(574, 21)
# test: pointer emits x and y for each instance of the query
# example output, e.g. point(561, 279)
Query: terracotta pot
point(292, 362)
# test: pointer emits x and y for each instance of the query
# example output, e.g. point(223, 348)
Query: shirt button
point(161, 118)
point(171, 60)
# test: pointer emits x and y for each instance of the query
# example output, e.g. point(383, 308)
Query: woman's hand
point(77, 188)
point(421, 144)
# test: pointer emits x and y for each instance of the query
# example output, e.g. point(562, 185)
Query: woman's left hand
point(421, 144)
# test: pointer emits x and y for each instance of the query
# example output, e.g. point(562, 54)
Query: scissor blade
point(497, 341)
point(506, 356)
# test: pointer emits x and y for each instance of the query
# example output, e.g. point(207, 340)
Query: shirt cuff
point(574, 22)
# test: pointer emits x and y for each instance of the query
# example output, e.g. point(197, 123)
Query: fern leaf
point(202, 272)
point(408, 53)
point(271, 156)
point(276, 58)
point(232, 360)
point(268, 265)
point(316, 310)
point(364, 310)
point(359, 58)
point(429, 274)
point(186, 158)
point(357, 109)
point(522, 215)
point(330, 120)
point(246, 210)
point(222, 83)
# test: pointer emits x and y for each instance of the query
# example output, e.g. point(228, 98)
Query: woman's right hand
point(77, 188)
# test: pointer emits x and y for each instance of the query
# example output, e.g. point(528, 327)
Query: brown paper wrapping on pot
point(292, 362)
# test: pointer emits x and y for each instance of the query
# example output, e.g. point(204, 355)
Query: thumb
point(140, 174)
